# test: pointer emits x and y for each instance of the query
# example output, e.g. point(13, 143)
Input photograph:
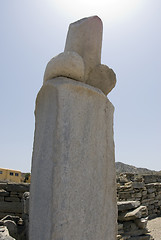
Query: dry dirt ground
point(154, 226)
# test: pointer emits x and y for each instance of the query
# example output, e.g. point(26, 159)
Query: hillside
point(122, 167)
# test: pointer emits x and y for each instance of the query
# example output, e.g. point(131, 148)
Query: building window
point(16, 174)
point(1, 172)
point(11, 173)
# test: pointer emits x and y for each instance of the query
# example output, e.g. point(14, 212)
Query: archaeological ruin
point(73, 143)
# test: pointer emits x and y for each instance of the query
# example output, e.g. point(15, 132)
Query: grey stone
point(130, 226)
point(151, 195)
point(3, 186)
point(151, 190)
point(4, 234)
point(85, 38)
point(73, 193)
point(12, 227)
point(17, 187)
point(3, 193)
point(103, 78)
point(138, 185)
point(137, 232)
point(126, 205)
point(142, 222)
point(67, 64)
point(11, 207)
point(134, 214)
point(12, 199)
point(26, 198)
point(142, 237)
point(137, 195)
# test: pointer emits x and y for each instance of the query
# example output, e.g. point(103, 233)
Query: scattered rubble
point(132, 221)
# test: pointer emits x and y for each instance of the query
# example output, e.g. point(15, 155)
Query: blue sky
point(34, 31)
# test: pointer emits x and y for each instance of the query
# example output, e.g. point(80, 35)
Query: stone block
point(1, 199)
point(136, 233)
point(3, 185)
point(12, 199)
point(127, 205)
point(130, 226)
point(18, 187)
point(144, 193)
point(73, 193)
point(11, 207)
point(124, 195)
point(134, 214)
point(138, 185)
point(142, 237)
point(137, 195)
point(142, 222)
point(151, 195)
point(3, 193)
point(85, 38)
point(4, 234)
point(151, 190)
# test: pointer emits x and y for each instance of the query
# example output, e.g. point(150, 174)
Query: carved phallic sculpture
point(81, 59)
point(72, 192)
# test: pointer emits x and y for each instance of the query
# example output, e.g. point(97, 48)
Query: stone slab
point(73, 193)
point(11, 207)
point(133, 214)
point(126, 205)
point(18, 187)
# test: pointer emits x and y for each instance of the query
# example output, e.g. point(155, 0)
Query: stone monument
point(73, 195)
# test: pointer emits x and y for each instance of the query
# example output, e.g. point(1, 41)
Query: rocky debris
point(132, 221)
point(15, 226)
point(131, 187)
point(4, 234)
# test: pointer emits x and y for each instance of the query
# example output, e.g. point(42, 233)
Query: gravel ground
point(154, 226)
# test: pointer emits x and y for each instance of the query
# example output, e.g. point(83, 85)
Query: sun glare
point(108, 10)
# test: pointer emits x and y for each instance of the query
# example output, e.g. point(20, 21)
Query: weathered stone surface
point(3, 185)
point(74, 152)
point(137, 232)
point(12, 199)
point(138, 185)
point(143, 237)
point(12, 227)
point(26, 197)
point(17, 187)
point(142, 222)
point(4, 234)
point(102, 77)
point(11, 207)
point(67, 64)
point(3, 193)
point(126, 205)
point(85, 38)
point(134, 214)
point(151, 190)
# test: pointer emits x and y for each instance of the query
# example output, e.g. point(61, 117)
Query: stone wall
point(132, 221)
point(146, 189)
point(11, 202)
